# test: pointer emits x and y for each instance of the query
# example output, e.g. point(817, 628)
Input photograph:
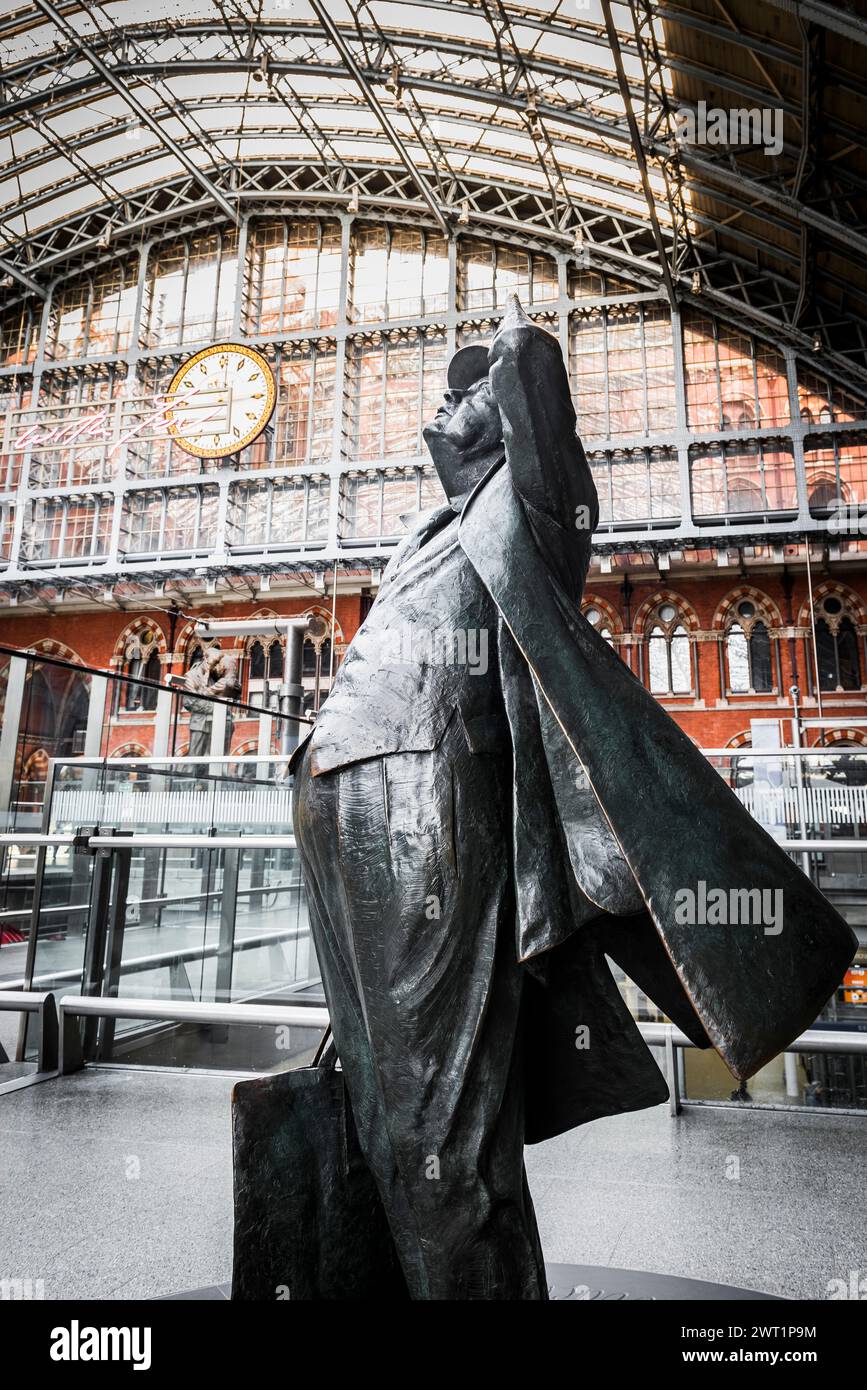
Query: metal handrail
point(824, 753)
point(47, 1059)
point(158, 959)
point(81, 760)
point(66, 909)
point(145, 841)
point(75, 1006)
point(181, 841)
point(812, 1040)
point(82, 1006)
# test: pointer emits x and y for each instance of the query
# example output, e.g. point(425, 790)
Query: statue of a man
point(215, 674)
point(488, 805)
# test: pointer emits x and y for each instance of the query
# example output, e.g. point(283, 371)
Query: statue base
point(588, 1284)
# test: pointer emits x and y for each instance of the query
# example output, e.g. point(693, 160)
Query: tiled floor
point(117, 1184)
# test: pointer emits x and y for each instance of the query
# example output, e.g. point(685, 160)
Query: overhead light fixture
point(105, 236)
point(696, 282)
point(261, 73)
point(817, 344)
point(464, 215)
point(354, 202)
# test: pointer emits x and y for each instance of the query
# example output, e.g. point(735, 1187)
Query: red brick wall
point(712, 720)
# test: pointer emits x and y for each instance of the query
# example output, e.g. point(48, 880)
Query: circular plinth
point(589, 1284)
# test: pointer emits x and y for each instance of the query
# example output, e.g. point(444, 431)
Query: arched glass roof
point(553, 122)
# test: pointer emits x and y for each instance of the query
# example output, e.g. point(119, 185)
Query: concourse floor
point(118, 1184)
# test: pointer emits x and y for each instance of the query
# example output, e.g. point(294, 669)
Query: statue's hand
point(516, 338)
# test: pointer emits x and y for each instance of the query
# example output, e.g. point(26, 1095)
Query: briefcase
point(309, 1222)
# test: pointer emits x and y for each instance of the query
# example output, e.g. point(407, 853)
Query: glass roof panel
point(253, 95)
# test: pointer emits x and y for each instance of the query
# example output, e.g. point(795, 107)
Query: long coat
point(615, 812)
point(635, 810)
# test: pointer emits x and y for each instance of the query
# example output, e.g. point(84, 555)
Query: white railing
point(223, 804)
point(237, 804)
point(827, 805)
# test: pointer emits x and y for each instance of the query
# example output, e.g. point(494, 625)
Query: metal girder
point(808, 173)
point(839, 21)
point(378, 110)
point(582, 205)
point(495, 203)
point(745, 185)
point(178, 208)
point(135, 105)
point(298, 110)
point(6, 268)
point(639, 152)
point(606, 129)
point(763, 194)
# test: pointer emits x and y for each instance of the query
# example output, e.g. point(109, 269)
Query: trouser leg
point(414, 933)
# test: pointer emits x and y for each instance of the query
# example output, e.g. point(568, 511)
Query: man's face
point(462, 437)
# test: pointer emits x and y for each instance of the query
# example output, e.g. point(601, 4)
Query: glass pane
point(658, 662)
point(760, 658)
point(739, 664)
point(826, 654)
point(847, 650)
point(681, 680)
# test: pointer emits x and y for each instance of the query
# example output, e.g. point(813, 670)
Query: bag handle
point(326, 1053)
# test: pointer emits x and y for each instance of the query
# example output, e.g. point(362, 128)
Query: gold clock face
point(220, 400)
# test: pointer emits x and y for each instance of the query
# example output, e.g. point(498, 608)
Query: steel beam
point(136, 106)
point(7, 268)
point(638, 151)
point(378, 110)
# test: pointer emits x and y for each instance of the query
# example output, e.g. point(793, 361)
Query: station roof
point(554, 123)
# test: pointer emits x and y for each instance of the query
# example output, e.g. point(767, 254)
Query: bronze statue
point(215, 674)
point(489, 804)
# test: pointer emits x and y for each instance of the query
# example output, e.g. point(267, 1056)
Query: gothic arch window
point(836, 645)
point(668, 656)
point(599, 619)
point(748, 650)
point(316, 673)
point(193, 654)
point(141, 661)
point(739, 771)
point(823, 495)
point(265, 672)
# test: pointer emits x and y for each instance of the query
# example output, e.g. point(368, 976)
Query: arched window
point(265, 672)
point(141, 661)
point(823, 496)
point(748, 651)
point(316, 662)
point(669, 661)
point(257, 663)
point(597, 619)
point(836, 646)
point(193, 655)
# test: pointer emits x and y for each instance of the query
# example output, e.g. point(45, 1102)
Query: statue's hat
point(469, 365)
